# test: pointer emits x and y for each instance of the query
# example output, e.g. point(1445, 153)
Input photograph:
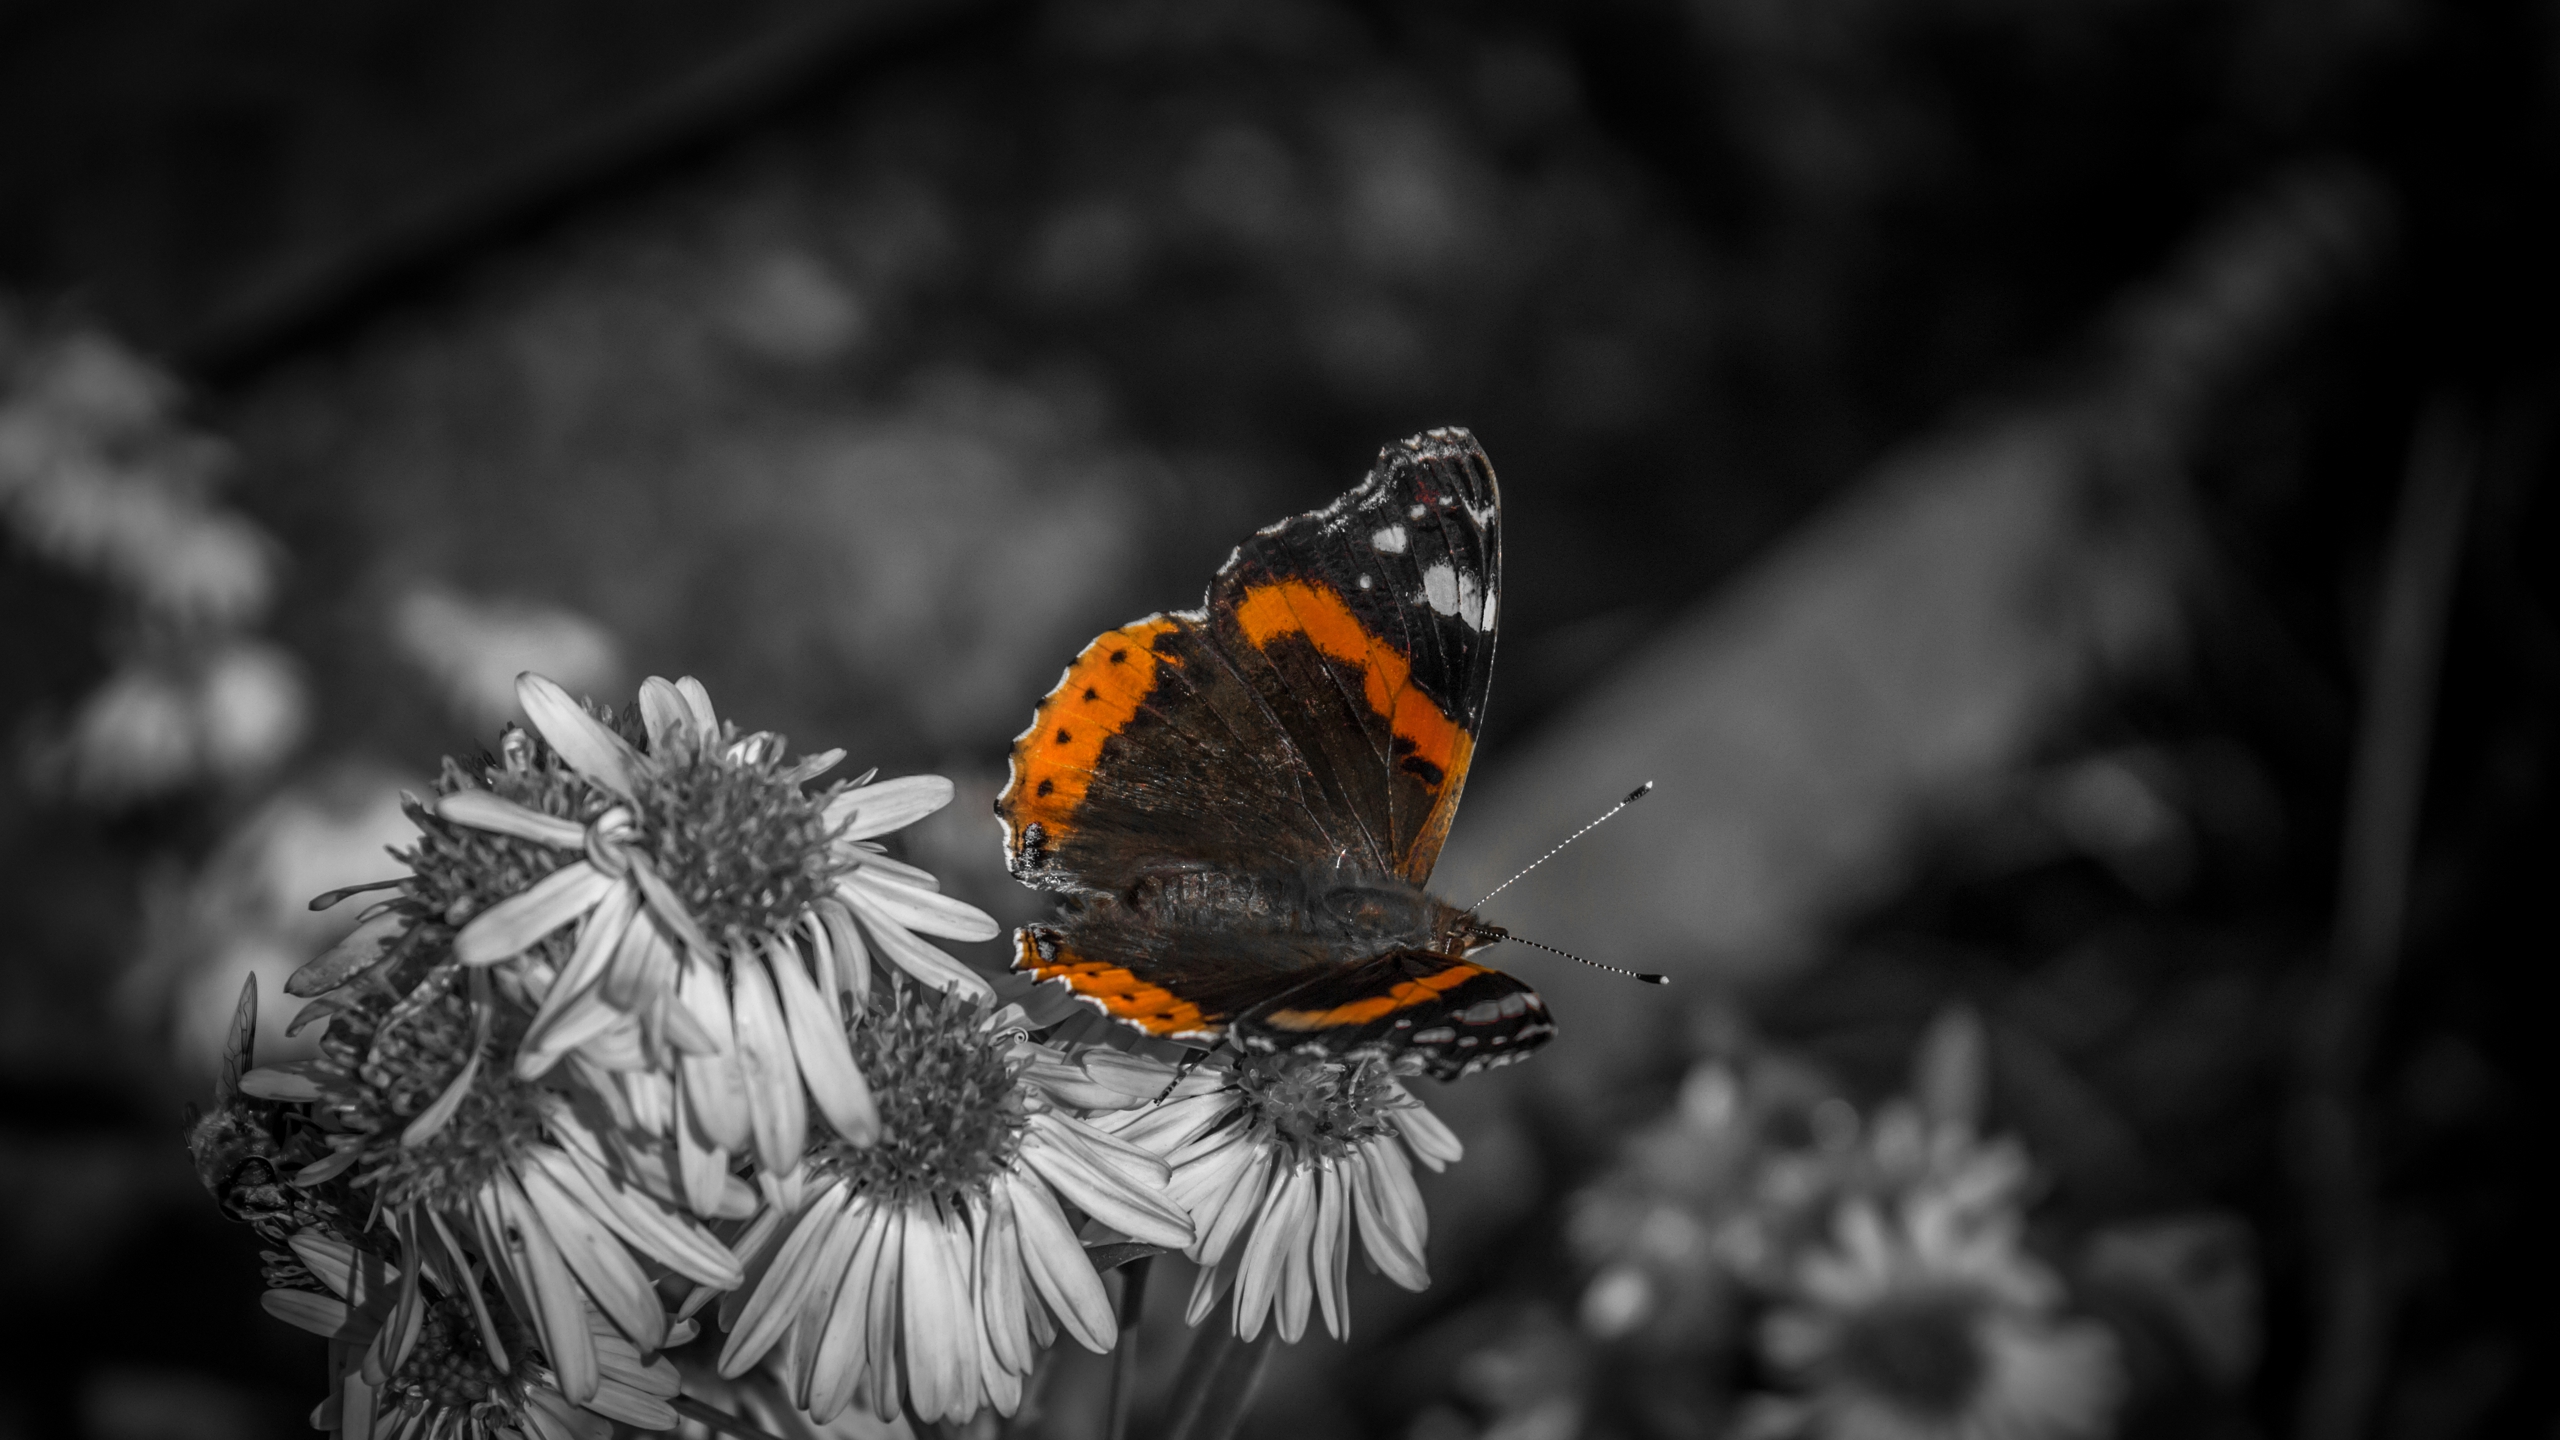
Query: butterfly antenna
point(1633, 796)
point(1646, 976)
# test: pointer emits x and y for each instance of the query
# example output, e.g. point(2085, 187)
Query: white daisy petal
point(1000, 1282)
point(935, 1313)
point(1102, 1193)
point(559, 1306)
point(701, 1163)
point(1390, 1211)
point(580, 738)
point(780, 1116)
point(557, 1420)
point(1427, 1135)
point(1141, 1168)
point(883, 1322)
point(826, 1060)
point(853, 959)
point(599, 936)
point(1057, 1265)
point(643, 969)
point(924, 962)
point(968, 1341)
point(868, 857)
point(698, 700)
point(775, 1302)
point(510, 927)
point(1201, 1183)
point(1276, 1234)
point(358, 1277)
point(1141, 1080)
point(863, 811)
point(643, 1223)
point(845, 1345)
point(1329, 1248)
point(643, 1412)
point(828, 1268)
point(482, 810)
point(664, 715)
point(714, 1086)
point(1224, 1217)
point(597, 1258)
point(923, 910)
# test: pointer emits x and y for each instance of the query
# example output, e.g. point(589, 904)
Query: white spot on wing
point(1440, 589)
point(1365, 582)
point(1468, 607)
point(1390, 541)
point(1418, 511)
point(1488, 610)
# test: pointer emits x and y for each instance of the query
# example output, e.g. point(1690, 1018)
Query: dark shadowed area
point(2047, 492)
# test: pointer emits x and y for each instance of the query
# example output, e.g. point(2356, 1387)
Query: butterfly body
point(1241, 806)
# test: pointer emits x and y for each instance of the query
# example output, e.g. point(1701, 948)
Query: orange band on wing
point(1054, 760)
point(1117, 990)
point(1360, 1012)
point(1294, 607)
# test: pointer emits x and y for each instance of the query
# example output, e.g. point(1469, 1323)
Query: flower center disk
point(740, 843)
point(1320, 1108)
point(950, 1107)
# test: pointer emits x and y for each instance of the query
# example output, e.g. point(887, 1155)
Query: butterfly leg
point(1190, 1061)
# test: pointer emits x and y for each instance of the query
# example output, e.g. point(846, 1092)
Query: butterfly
point(1240, 806)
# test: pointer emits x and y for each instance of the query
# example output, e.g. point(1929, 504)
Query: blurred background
point(2048, 491)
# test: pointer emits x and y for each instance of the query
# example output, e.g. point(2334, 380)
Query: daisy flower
point(436, 1361)
point(1926, 1321)
point(1901, 1154)
point(928, 1269)
point(428, 1126)
point(1650, 1228)
point(683, 906)
point(1278, 1160)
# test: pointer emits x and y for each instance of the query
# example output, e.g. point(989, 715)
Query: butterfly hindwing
point(1455, 1015)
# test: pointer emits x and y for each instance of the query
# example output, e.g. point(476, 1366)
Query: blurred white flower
point(473, 649)
point(98, 474)
point(1925, 1320)
point(228, 712)
point(246, 912)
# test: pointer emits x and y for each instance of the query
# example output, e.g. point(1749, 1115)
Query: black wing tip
point(1449, 452)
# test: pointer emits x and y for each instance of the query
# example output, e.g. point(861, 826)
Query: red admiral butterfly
point(1241, 804)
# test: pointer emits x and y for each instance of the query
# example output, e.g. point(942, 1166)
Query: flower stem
point(1217, 1383)
point(1124, 1360)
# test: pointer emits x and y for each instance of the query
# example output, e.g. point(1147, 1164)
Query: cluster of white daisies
point(618, 1060)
